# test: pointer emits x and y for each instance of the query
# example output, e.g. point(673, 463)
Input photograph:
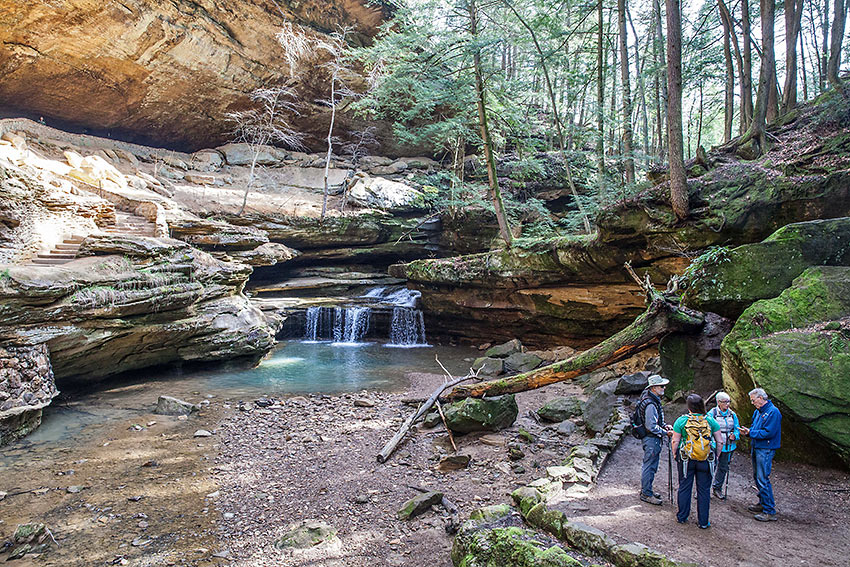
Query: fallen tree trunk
point(423, 409)
point(661, 317)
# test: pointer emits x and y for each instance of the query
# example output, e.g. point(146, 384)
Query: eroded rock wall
point(159, 70)
point(26, 386)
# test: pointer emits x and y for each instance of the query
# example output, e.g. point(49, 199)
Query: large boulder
point(504, 350)
point(161, 302)
point(520, 362)
point(600, 406)
point(485, 414)
point(727, 282)
point(384, 194)
point(560, 409)
point(797, 347)
point(633, 383)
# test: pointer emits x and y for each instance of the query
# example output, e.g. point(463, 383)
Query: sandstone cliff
point(156, 70)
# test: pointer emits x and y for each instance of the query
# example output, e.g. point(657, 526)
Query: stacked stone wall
point(26, 386)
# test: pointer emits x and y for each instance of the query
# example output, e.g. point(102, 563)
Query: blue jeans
point(651, 455)
point(701, 471)
point(762, 463)
point(722, 470)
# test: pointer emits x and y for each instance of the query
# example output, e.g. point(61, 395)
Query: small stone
point(168, 405)
point(73, 489)
point(361, 499)
point(306, 534)
point(419, 504)
point(140, 541)
point(453, 463)
point(228, 515)
point(364, 403)
point(202, 433)
point(134, 498)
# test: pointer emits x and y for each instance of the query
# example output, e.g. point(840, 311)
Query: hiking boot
point(765, 517)
point(657, 495)
point(755, 508)
point(705, 527)
point(653, 499)
point(719, 494)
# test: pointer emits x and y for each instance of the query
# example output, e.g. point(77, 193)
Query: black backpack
point(639, 430)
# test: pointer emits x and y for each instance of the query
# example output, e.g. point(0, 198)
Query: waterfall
point(407, 327)
point(343, 325)
point(311, 328)
point(350, 325)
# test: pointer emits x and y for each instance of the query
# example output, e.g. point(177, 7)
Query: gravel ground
point(315, 458)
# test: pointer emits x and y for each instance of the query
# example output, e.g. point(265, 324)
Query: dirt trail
point(812, 527)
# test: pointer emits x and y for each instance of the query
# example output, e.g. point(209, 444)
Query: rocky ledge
point(133, 302)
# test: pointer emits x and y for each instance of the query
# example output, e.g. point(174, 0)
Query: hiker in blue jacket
point(765, 433)
point(729, 426)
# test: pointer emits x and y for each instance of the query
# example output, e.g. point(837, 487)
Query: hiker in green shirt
point(694, 449)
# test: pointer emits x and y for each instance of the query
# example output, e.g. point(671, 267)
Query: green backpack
point(697, 446)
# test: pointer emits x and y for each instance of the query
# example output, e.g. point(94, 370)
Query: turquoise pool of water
point(292, 368)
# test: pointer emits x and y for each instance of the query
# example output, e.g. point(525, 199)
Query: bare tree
point(793, 20)
point(627, 97)
point(834, 62)
point(267, 123)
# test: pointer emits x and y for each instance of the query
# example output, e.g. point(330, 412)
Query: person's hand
point(669, 428)
point(669, 433)
point(745, 430)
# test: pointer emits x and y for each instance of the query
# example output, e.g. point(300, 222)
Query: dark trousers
point(700, 471)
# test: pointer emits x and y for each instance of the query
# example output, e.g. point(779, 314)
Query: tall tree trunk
point(747, 79)
point(838, 20)
point(793, 19)
point(641, 87)
point(729, 100)
point(824, 45)
point(629, 163)
point(600, 99)
point(480, 95)
point(678, 179)
point(803, 65)
point(767, 78)
point(661, 67)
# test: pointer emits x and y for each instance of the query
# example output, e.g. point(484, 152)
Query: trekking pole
point(670, 468)
point(728, 473)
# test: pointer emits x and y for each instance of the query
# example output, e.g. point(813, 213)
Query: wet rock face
point(158, 70)
point(26, 386)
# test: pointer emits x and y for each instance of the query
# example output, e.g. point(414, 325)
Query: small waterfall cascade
point(407, 326)
point(347, 325)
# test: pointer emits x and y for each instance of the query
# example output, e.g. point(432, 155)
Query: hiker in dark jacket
point(766, 434)
point(656, 430)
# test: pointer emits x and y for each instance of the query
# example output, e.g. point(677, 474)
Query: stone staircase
point(125, 223)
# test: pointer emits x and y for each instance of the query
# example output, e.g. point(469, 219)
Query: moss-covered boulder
point(485, 414)
point(306, 534)
point(559, 409)
point(508, 547)
point(504, 350)
point(488, 366)
point(520, 362)
point(797, 347)
point(727, 282)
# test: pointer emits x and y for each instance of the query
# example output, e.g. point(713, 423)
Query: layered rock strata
point(135, 302)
